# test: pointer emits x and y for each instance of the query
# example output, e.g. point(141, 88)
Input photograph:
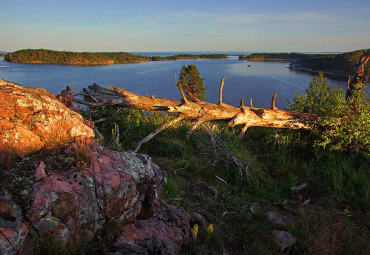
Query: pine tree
point(192, 83)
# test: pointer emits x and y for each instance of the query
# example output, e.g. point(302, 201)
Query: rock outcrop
point(31, 118)
point(105, 187)
point(114, 188)
point(164, 233)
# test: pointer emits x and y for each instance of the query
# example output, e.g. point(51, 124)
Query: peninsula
point(337, 66)
point(43, 56)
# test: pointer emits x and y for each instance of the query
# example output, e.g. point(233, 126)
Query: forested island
point(43, 56)
point(337, 66)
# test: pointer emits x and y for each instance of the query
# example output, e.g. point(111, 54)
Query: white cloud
point(268, 18)
point(188, 14)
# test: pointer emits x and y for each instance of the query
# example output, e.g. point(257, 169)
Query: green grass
point(336, 181)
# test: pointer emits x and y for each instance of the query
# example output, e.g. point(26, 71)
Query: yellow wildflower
point(210, 228)
point(195, 230)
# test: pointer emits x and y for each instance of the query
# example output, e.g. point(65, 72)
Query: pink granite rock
point(40, 171)
point(116, 185)
point(31, 118)
point(163, 233)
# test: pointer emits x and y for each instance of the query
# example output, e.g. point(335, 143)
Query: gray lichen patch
point(135, 166)
point(90, 181)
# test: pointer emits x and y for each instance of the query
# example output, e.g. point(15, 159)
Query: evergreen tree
point(192, 83)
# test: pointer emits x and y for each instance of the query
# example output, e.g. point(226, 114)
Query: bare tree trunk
point(197, 112)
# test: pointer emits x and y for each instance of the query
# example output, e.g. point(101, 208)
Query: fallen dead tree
point(197, 112)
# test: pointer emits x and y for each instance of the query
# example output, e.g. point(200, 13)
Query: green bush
point(342, 125)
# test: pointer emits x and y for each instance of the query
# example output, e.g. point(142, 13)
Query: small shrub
point(342, 125)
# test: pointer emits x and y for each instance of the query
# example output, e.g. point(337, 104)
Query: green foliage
point(192, 83)
point(331, 63)
point(319, 98)
point(337, 63)
point(342, 125)
point(275, 56)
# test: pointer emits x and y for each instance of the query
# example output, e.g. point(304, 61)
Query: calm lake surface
point(259, 81)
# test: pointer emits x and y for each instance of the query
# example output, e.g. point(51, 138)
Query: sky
point(186, 25)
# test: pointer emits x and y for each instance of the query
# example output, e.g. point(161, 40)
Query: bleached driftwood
point(198, 111)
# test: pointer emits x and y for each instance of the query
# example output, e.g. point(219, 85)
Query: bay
point(248, 79)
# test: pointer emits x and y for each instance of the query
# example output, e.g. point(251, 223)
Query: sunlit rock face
point(32, 118)
point(68, 198)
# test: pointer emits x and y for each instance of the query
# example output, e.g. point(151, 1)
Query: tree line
point(342, 64)
point(44, 56)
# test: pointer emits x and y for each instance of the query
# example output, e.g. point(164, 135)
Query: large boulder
point(75, 203)
point(31, 118)
point(115, 186)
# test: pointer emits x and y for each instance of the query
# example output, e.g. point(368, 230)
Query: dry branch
point(198, 111)
point(160, 129)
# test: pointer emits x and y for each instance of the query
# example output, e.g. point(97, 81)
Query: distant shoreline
point(41, 56)
point(335, 66)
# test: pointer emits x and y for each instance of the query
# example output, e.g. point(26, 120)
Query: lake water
point(259, 81)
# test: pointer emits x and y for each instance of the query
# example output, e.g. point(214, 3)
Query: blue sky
point(188, 25)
